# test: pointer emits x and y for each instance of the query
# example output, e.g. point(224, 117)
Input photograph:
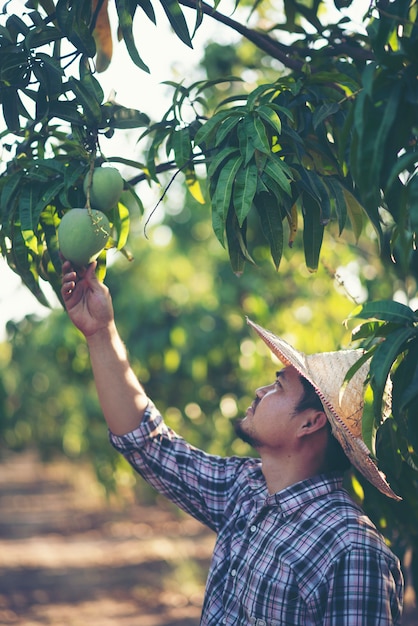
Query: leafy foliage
point(331, 140)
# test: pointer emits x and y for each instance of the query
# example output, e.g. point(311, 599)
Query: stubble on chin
point(243, 431)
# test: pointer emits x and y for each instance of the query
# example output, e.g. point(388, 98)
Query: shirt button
point(253, 528)
point(233, 572)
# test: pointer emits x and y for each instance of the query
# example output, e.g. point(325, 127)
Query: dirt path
point(69, 558)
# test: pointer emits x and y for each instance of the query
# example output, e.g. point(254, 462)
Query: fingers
point(70, 277)
point(68, 286)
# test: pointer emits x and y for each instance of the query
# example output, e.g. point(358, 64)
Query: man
point(292, 548)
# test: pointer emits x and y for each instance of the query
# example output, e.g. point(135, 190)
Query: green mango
point(106, 188)
point(82, 235)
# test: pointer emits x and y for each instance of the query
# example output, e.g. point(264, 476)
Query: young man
point(292, 548)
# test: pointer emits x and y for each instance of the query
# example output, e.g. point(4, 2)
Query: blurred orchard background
point(74, 514)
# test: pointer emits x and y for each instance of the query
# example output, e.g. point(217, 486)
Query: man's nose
point(261, 391)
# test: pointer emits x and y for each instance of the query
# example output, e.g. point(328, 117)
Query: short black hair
point(335, 457)
point(309, 398)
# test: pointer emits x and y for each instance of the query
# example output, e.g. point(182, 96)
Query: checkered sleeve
point(365, 589)
point(199, 483)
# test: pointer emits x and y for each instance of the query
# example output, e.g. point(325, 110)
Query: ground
point(69, 557)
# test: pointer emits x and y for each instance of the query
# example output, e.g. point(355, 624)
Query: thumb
point(90, 274)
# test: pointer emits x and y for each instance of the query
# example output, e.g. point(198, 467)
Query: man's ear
point(312, 421)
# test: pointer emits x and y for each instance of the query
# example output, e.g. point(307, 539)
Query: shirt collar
point(305, 491)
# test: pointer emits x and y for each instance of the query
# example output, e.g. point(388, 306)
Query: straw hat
point(343, 405)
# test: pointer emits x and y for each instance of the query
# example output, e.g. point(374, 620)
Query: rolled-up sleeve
point(197, 482)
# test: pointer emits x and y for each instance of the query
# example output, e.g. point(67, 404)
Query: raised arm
point(89, 306)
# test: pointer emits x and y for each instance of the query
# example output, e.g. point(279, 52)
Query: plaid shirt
point(304, 556)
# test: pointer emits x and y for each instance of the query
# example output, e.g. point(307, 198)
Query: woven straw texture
point(343, 403)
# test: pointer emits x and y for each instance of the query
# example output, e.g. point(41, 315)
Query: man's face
point(271, 421)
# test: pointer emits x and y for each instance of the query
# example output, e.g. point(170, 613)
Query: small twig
point(161, 199)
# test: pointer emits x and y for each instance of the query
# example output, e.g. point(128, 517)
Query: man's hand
point(87, 301)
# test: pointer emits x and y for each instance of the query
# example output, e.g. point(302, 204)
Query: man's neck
point(282, 472)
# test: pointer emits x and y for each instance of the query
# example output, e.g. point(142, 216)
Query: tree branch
point(264, 42)
point(277, 50)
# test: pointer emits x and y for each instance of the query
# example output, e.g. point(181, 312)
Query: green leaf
point(256, 135)
point(322, 112)
point(10, 109)
point(320, 193)
point(9, 193)
point(131, 200)
point(217, 160)
point(386, 310)
point(19, 259)
point(355, 212)
point(222, 196)
point(236, 256)
point(385, 355)
point(28, 199)
point(66, 111)
point(227, 127)
point(271, 224)
point(270, 116)
point(125, 24)
point(46, 198)
point(369, 431)
point(336, 193)
point(122, 225)
point(280, 109)
point(176, 18)
point(129, 162)
point(71, 20)
point(371, 330)
point(4, 34)
point(405, 381)
point(244, 190)
point(148, 9)
point(313, 231)
point(182, 146)
point(193, 184)
point(16, 26)
point(388, 447)
point(237, 243)
point(124, 117)
point(88, 80)
point(402, 164)
point(275, 168)
point(87, 99)
point(390, 112)
point(208, 130)
point(412, 190)
point(36, 38)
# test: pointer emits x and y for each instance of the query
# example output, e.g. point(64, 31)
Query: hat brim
point(353, 446)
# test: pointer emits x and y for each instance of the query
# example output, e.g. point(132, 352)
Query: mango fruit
point(82, 235)
point(106, 188)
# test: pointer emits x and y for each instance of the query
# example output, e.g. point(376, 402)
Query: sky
point(168, 59)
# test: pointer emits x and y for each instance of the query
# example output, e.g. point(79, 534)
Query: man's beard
point(244, 435)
